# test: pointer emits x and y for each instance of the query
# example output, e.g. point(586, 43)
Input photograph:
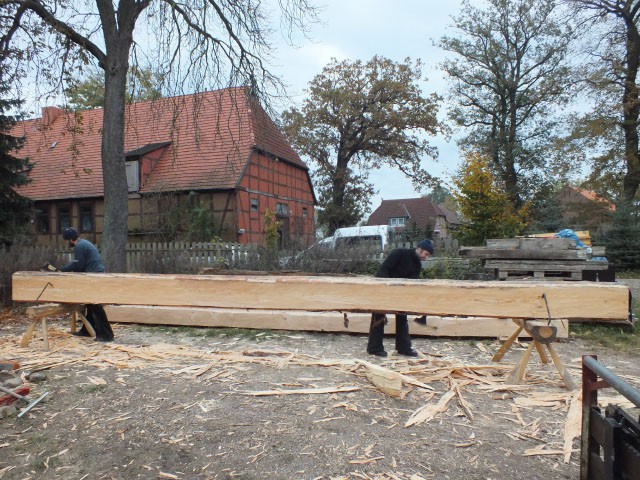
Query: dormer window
point(397, 221)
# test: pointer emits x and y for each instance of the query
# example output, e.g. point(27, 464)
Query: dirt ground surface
point(185, 404)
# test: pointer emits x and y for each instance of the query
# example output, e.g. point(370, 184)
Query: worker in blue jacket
point(401, 263)
point(86, 258)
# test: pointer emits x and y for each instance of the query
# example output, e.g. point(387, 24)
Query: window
point(254, 204)
point(64, 216)
point(133, 175)
point(304, 212)
point(282, 209)
point(86, 217)
point(397, 221)
point(42, 219)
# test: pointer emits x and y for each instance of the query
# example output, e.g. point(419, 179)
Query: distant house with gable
point(213, 160)
point(583, 209)
point(417, 216)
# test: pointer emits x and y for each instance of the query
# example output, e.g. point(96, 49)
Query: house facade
point(199, 167)
point(417, 217)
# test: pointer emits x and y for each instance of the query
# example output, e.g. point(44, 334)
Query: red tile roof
point(206, 138)
point(418, 210)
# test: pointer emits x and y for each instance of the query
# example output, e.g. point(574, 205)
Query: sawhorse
point(39, 313)
point(543, 334)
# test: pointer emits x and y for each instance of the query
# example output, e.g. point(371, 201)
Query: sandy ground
point(201, 404)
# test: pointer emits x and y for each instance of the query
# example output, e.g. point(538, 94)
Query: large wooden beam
point(315, 321)
point(568, 300)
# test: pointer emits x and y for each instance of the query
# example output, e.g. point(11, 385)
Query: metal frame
point(610, 443)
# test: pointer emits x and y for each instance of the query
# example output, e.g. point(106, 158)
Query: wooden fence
point(192, 254)
point(188, 253)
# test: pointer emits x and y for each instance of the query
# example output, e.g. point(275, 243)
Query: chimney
point(50, 114)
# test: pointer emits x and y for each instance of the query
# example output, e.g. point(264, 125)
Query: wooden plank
point(315, 321)
point(348, 294)
point(49, 309)
point(524, 243)
point(537, 266)
point(515, 254)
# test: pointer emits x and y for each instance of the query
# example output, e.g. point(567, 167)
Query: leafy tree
point(611, 128)
point(622, 241)
point(359, 116)
point(442, 196)
point(508, 77)
point(545, 214)
point(14, 171)
point(486, 208)
point(89, 93)
point(198, 45)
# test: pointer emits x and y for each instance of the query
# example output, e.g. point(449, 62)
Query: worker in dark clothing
point(401, 263)
point(87, 259)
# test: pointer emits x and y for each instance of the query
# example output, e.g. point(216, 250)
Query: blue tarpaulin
point(568, 233)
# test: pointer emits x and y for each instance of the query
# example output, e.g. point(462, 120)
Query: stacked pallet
point(538, 257)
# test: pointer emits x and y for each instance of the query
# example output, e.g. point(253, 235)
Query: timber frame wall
point(238, 214)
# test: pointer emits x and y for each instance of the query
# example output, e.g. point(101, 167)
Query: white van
point(373, 238)
point(346, 245)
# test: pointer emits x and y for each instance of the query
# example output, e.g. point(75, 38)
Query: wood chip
point(427, 412)
point(573, 424)
point(385, 380)
point(302, 391)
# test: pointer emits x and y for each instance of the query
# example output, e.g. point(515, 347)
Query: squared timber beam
point(528, 300)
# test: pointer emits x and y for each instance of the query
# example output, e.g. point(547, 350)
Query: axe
point(30, 405)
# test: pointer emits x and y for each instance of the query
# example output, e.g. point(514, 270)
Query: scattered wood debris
point(436, 380)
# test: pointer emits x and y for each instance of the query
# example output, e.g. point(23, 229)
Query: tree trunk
point(116, 211)
point(631, 113)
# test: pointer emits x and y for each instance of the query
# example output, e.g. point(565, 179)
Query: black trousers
point(97, 317)
point(376, 333)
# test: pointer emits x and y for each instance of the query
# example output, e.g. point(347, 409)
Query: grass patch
point(45, 463)
point(624, 338)
point(32, 442)
point(87, 389)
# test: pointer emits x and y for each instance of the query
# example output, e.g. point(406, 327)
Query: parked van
point(346, 244)
point(372, 238)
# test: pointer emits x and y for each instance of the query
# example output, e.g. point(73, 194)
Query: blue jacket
point(86, 258)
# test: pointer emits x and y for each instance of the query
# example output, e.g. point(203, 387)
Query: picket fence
point(192, 253)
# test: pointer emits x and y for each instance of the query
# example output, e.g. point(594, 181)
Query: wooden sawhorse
point(543, 334)
point(39, 313)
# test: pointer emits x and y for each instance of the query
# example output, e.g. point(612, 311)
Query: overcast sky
point(360, 29)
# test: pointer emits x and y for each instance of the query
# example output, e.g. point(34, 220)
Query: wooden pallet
point(543, 269)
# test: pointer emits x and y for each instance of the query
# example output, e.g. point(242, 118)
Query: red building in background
point(211, 162)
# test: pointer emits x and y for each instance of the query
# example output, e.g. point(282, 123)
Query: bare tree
point(194, 44)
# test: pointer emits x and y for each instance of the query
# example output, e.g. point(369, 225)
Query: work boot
point(379, 353)
point(409, 353)
point(81, 334)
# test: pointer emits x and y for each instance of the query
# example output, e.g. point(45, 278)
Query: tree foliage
point(508, 77)
point(358, 117)
point(14, 171)
point(484, 205)
point(610, 129)
point(197, 45)
point(89, 92)
point(545, 214)
point(622, 240)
